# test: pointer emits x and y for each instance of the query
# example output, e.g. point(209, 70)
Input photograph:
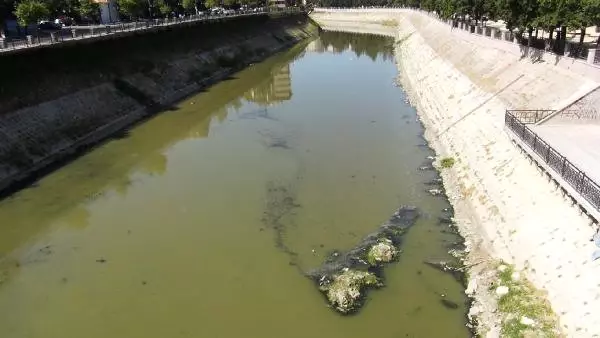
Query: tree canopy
point(31, 11)
point(88, 8)
point(189, 5)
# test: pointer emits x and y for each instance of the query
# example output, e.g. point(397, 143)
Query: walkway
point(579, 143)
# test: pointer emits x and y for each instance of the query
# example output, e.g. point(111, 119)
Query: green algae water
point(202, 221)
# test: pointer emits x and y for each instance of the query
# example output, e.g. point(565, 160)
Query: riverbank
point(505, 209)
point(62, 103)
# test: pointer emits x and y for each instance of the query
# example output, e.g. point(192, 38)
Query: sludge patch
point(345, 277)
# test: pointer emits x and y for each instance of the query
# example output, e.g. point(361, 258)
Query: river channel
point(165, 231)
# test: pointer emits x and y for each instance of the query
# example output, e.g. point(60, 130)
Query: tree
point(591, 13)
point(31, 11)
point(163, 7)
point(588, 14)
point(88, 9)
point(189, 6)
point(132, 8)
point(519, 14)
point(212, 3)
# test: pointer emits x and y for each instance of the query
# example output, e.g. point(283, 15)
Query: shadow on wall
point(41, 75)
point(535, 55)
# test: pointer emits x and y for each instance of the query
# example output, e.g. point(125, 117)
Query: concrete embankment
point(57, 101)
point(505, 207)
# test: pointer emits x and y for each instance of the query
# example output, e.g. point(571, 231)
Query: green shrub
point(447, 162)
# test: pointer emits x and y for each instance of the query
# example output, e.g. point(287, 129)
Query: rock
point(382, 252)
point(345, 290)
point(471, 287)
point(527, 321)
point(474, 311)
point(502, 290)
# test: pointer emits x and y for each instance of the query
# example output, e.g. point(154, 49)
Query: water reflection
point(360, 44)
point(276, 89)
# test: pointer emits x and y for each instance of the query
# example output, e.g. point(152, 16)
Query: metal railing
point(81, 32)
point(580, 114)
point(531, 116)
point(577, 179)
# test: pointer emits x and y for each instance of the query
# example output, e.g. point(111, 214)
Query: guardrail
point(531, 116)
point(80, 33)
point(517, 122)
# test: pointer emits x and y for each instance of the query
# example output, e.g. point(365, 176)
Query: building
point(282, 84)
point(108, 11)
point(276, 89)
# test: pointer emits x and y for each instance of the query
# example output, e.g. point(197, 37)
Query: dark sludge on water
point(345, 277)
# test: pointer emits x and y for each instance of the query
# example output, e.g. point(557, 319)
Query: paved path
point(579, 143)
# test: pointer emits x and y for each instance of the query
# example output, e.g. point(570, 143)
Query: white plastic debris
point(527, 321)
point(502, 290)
point(515, 276)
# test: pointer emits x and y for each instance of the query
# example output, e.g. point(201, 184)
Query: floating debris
point(435, 192)
point(344, 278)
point(435, 181)
point(452, 268)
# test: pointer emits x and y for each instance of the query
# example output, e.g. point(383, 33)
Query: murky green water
point(165, 231)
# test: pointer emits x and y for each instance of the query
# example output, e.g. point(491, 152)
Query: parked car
point(48, 26)
point(216, 11)
point(64, 21)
